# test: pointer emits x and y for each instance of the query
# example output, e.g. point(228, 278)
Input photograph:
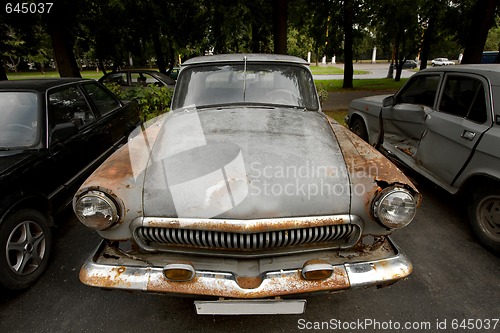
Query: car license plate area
point(250, 307)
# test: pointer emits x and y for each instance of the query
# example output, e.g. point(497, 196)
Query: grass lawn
point(326, 70)
point(328, 85)
point(338, 115)
point(374, 85)
point(362, 84)
point(50, 74)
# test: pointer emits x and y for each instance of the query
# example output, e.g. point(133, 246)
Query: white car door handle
point(468, 135)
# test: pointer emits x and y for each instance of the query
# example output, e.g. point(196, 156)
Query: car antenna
point(244, 77)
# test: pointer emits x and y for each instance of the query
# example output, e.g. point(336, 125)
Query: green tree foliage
point(482, 18)
point(493, 39)
point(115, 33)
point(153, 100)
point(399, 28)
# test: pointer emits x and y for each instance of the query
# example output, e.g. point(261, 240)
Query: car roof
point(239, 57)
point(490, 71)
point(38, 84)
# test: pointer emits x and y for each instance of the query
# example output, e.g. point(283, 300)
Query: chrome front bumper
point(107, 269)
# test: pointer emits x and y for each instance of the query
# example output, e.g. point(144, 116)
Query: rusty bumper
point(98, 271)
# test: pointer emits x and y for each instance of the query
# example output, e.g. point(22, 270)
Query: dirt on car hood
point(245, 163)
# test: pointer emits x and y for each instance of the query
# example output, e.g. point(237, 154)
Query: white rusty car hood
point(245, 163)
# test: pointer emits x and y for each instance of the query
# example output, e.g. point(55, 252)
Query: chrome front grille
point(329, 236)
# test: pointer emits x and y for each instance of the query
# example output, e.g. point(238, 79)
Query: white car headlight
point(395, 207)
point(96, 210)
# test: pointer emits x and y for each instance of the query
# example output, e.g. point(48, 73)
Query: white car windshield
point(18, 119)
point(270, 84)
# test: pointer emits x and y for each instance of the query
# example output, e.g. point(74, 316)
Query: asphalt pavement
point(340, 100)
point(376, 71)
point(454, 284)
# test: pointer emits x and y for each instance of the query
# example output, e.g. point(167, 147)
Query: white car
point(444, 123)
point(442, 62)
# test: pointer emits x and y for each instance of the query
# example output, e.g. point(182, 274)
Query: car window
point(272, 84)
point(143, 79)
point(69, 106)
point(464, 97)
point(420, 90)
point(119, 78)
point(102, 99)
point(18, 119)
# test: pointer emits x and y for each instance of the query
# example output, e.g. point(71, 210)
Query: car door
point(404, 122)
point(117, 118)
point(453, 130)
point(75, 137)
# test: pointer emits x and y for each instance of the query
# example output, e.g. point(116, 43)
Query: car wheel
point(484, 214)
point(358, 127)
point(25, 241)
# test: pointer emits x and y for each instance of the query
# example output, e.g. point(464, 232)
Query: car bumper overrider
point(111, 268)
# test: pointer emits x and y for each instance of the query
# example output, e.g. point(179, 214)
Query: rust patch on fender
point(367, 167)
point(362, 158)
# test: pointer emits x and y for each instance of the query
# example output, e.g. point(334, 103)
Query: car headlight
point(96, 210)
point(395, 207)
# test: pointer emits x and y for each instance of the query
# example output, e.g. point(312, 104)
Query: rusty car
point(53, 134)
point(245, 196)
point(445, 125)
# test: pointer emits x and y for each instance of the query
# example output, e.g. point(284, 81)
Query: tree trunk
point(397, 77)
point(3, 72)
point(256, 23)
point(63, 51)
point(170, 58)
point(482, 19)
point(255, 38)
point(399, 70)
point(160, 60)
point(426, 43)
point(280, 18)
point(100, 65)
point(348, 42)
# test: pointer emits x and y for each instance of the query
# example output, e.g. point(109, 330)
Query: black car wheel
point(484, 214)
point(25, 241)
point(358, 127)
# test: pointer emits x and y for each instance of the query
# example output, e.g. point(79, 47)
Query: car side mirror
point(388, 101)
point(64, 130)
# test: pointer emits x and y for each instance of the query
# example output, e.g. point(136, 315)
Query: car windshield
point(18, 119)
point(270, 84)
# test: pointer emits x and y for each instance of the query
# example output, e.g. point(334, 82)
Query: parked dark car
point(246, 193)
point(173, 72)
point(410, 64)
point(138, 78)
point(444, 123)
point(53, 134)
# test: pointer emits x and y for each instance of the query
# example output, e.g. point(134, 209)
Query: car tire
point(358, 127)
point(484, 214)
point(25, 242)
